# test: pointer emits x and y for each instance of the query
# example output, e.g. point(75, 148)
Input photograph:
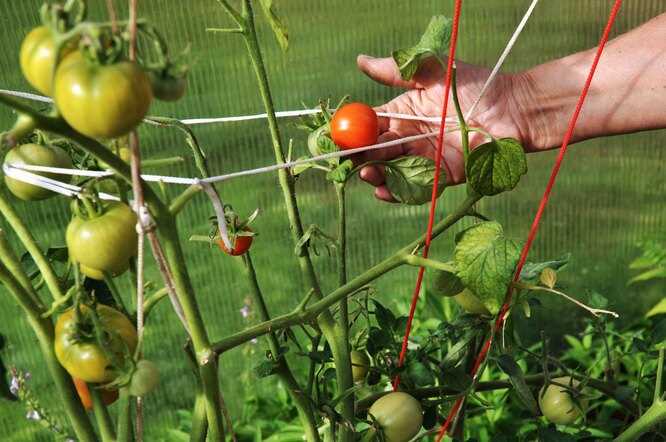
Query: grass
point(609, 195)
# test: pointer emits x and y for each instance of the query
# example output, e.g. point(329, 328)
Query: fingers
point(373, 174)
point(382, 193)
point(382, 70)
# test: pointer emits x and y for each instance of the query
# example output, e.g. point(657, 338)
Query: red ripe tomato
point(354, 125)
point(108, 396)
point(241, 245)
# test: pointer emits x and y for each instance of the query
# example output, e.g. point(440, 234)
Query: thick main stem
point(102, 416)
point(284, 372)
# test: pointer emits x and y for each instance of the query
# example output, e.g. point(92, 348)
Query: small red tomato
point(108, 396)
point(241, 245)
point(354, 125)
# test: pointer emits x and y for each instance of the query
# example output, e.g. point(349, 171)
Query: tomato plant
point(36, 155)
point(108, 396)
point(103, 243)
point(398, 415)
point(77, 347)
point(354, 125)
point(101, 101)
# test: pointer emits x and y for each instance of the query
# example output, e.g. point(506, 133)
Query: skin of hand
point(423, 97)
point(533, 106)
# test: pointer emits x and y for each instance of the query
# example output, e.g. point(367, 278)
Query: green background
point(610, 193)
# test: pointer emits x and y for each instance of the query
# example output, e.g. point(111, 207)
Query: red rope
point(499, 322)
point(433, 198)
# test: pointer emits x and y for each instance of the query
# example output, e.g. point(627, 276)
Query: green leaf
point(265, 369)
point(658, 309)
point(486, 260)
point(378, 340)
point(656, 273)
point(279, 29)
point(385, 317)
point(496, 166)
point(433, 42)
point(419, 374)
point(533, 269)
point(341, 173)
point(446, 283)
point(509, 366)
point(410, 179)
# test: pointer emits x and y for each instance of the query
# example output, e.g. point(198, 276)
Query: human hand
point(496, 113)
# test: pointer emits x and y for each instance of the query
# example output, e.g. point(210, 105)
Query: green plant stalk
point(125, 416)
point(31, 246)
point(464, 130)
point(167, 229)
point(305, 315)
point(199, 422)
point(102, 416)
point(13, 265)
point(654, 415)
point(43, 328)
point(343, 368)
point(283, 370)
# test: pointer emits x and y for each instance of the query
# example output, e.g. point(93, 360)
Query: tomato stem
point(102, 416)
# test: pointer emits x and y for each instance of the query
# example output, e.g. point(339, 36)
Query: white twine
point(503, 57)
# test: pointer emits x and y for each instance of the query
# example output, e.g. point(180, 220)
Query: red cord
point(499, 322)
point(433, 198)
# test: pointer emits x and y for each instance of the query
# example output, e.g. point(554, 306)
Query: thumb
point(383, 70)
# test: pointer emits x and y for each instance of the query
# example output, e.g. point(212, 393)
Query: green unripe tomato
point(470, 303)
point(36, 155)
point(101, 101)
point(360, 365)
point(37, 57)
point(104, 243)
point(556, 402)
point(167, 87)
point(84, 358)
point(398, 415)
point(144, 379)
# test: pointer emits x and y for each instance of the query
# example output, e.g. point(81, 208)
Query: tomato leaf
point(341, 172)
point(385, 317)
point(410, 179)
point(509, 366)
point(434, 41)
point(655, 273)
point(446, 283)
point(496, 166)
point(419, 374)
point(265, 369)
point(485, 260)
point(279, 29)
